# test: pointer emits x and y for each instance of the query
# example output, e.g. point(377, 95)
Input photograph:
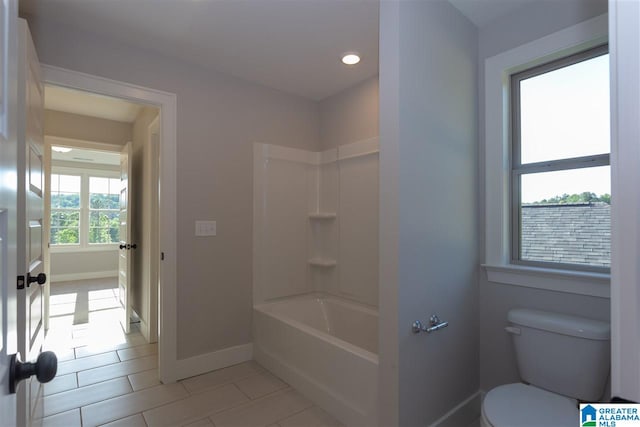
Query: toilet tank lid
point(561, 323)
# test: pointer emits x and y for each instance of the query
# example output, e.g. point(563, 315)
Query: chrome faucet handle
point(435, 324)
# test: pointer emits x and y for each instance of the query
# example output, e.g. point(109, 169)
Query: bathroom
point(421, 224)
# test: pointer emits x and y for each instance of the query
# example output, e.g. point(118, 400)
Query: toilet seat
point(521, 405)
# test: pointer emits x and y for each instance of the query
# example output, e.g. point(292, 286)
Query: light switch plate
point(205, 228)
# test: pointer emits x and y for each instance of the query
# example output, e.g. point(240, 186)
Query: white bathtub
point(326, 348)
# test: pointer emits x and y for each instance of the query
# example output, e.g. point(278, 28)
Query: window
point(65, 209)
point(85, 208)
point(104, 210)
point(560, 173)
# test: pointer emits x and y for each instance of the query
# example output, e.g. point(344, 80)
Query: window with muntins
point(85, 209)
point(560, 173)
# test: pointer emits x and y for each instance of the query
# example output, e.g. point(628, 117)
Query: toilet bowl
point(521, 405)
point(561, 359)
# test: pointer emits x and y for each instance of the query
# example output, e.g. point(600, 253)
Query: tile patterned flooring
point(108, 378)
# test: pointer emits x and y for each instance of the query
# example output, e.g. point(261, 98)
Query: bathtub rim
point(266, 308)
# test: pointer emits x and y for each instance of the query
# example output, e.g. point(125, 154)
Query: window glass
point(65, 209)
point(104, 210)
point(565, 217)
point(564, 113)
point(65, 191)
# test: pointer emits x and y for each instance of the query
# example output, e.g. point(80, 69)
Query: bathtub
point(326, 348)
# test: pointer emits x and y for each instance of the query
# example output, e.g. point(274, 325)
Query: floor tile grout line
point(294, 414)
point(80, 407)
point(78, 386)
point(233, 381)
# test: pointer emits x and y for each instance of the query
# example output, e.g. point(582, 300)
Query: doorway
point(98, 170)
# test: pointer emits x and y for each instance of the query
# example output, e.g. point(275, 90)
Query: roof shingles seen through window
point(567, 233)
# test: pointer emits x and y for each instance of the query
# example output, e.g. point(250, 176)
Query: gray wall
point(65, 263)
point(350, 116)
point(431, 154)
point(497, 361)
point(219, 118)
point(75, 126)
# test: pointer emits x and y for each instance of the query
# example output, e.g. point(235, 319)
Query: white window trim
point(84, 245)
point(576, 38)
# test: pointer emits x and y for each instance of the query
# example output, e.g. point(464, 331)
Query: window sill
point(573, 282)
point(80, 249)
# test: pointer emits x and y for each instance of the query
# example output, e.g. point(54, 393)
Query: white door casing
point(124, 255)
point(153, 244)
point(167, 213)
point(30, 256)
point(8, 201)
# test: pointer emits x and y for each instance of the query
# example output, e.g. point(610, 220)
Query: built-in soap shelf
point(322, 215)
point(322, 262)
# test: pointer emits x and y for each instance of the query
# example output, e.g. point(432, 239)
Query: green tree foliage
point(104, 224)
point(585, 197)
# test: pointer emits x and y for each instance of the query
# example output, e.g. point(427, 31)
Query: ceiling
point(291, 45)
point(483, 12)
point(82, 155)
point(89, 104)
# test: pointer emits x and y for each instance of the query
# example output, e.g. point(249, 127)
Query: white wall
point(219, 118)
point(497, 361)
point(428, 210)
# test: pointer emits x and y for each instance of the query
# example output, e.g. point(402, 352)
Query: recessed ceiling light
point(61, 149)
point(350, 58)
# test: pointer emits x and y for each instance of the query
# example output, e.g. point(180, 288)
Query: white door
point(8, 203)
point(30, 257)
point(124, 259)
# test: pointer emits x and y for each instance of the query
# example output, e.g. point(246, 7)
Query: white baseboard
point(463, 413)
point(197, 365)
point(83, 276)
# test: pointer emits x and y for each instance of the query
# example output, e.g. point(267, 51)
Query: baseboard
point(83, 276)
point(462, 414)
point(197, 365)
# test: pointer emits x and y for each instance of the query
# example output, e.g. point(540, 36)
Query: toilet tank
point(564, 354)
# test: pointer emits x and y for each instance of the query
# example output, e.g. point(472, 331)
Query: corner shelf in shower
point(322, 215)
point(322, 262)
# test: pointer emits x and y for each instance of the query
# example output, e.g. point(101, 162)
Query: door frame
point(167, 206)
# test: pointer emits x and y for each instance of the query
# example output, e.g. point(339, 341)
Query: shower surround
point(315, 281)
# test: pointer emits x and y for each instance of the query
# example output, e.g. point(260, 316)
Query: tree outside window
point(84, 209)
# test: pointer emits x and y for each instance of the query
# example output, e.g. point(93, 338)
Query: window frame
point(85, 211)
point(517, 169)
point(495, 149)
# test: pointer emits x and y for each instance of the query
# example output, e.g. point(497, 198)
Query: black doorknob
point(123, 246)
point(133, 246)
point(41, 279)
point(45, 369)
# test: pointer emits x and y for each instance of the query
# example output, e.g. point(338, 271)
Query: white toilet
point(562, 360)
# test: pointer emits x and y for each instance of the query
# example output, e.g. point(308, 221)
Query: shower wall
point(316, 222)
